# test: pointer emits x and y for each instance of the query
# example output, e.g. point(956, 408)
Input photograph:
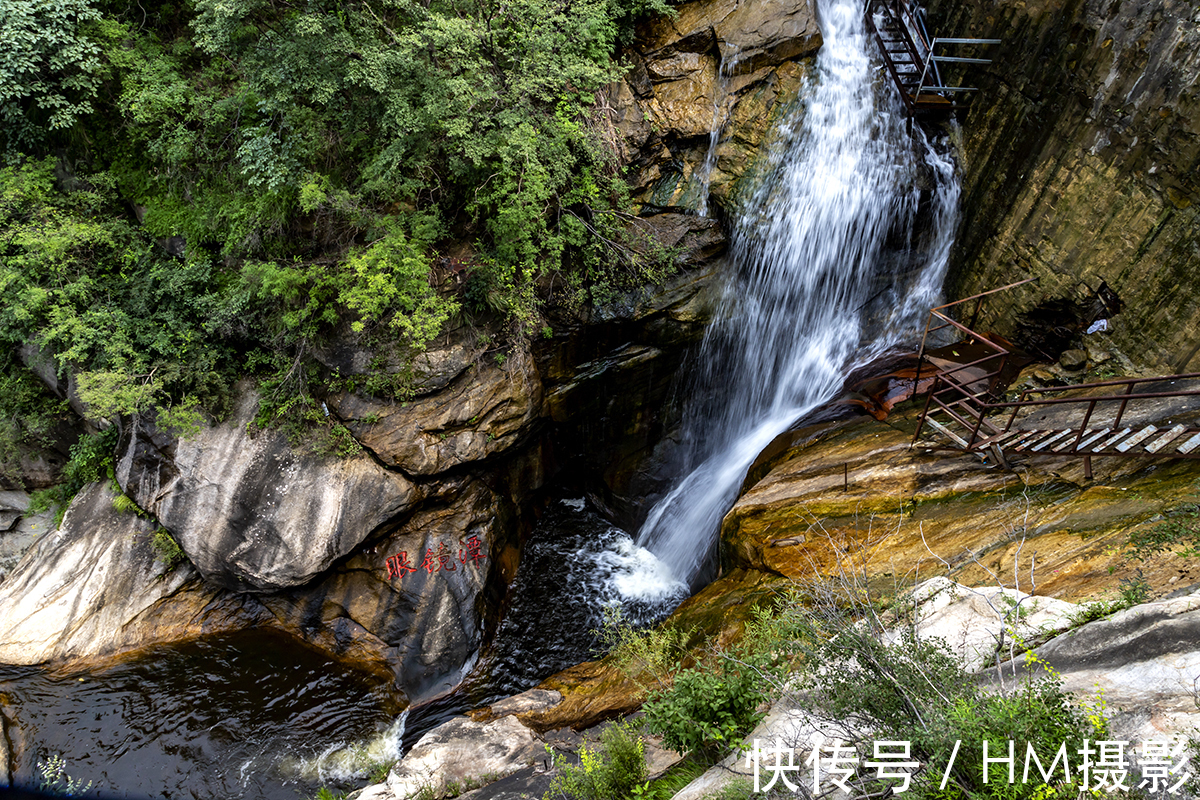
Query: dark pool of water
point(574, 566)
point(225, 717)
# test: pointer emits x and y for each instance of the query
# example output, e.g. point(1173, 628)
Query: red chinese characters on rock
point(439, 559)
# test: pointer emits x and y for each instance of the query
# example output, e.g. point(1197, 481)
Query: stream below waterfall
point(238, 715)
point(833, 261)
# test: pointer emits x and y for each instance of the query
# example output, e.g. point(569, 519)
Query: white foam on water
point(635, 573)
point(342, 762)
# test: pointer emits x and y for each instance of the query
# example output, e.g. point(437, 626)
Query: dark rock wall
point(1079, 162)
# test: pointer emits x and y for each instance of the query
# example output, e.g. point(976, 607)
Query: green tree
point(49, 68)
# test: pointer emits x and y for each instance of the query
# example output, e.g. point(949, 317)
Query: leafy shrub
point(48, 69)
point(91, 460)
point(615, 771)
point(915, 690)
point(1182, 526)
point(1132, 590)
point(707, 710)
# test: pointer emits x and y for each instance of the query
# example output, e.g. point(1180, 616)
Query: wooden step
point(1139, 437)
point(1044, 443)
point(1087, 441)
point(1029, 443)
point(951, 435)
point(1113, 440)
point(1026, 437)
point(1001, 438)
point(1066, 443)
point(1166, 438)
point(1190, 445)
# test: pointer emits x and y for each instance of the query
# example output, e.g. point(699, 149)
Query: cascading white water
point(825, 271)
point(729, 61)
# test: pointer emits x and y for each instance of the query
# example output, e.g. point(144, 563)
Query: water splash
point(830, 264)
point(345, 762)
point(576, 564)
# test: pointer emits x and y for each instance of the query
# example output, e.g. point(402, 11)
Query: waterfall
point(721, 107)
point(830, 264)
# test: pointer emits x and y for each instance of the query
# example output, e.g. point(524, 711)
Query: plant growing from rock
point(614, 771)
point(863, 683)
point(55, 779)
point(167, 549)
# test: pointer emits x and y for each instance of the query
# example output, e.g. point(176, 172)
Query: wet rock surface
point(413, 604)
point(908, 513)
point(459, 752)
point(95, 588)
point(731, 63)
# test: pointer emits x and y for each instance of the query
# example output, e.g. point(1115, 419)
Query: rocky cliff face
point(1080, 157)
point(396, 558)
point(724, 65)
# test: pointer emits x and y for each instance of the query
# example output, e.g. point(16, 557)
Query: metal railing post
point(925, 411)
point(1083, 428)
point(1121, 411)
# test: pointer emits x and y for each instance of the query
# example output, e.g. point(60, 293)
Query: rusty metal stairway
point(910, 56)
point(1105, 418)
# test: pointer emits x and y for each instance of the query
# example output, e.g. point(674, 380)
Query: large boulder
point(484, 412)
point(413, 602)
point(756, 35)
point(424, 372)
point(984, 625)
point(252, 511)
point(1142, 663)
point(860, 487)
point(460, 751)
point(96, 587)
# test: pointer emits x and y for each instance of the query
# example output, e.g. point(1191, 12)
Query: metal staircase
point(1132, 417)
point(912, 60)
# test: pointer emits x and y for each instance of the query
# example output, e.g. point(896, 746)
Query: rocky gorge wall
point(1079, 157)
point(397, 553)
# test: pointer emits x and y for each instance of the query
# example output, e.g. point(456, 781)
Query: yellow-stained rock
point(860, 499)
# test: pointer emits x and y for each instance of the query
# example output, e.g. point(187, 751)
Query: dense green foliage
point(707, 710)
point(195, 192)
